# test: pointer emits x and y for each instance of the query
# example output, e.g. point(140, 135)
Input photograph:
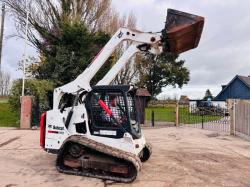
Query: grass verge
point(8, 118)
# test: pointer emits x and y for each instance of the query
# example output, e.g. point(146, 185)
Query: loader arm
point(134, 48)
point(123, 34)
point(181, 33)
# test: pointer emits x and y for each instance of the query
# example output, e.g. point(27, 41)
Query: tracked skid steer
point(95, 131)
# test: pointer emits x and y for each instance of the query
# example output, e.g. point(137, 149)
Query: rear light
point(42, 129)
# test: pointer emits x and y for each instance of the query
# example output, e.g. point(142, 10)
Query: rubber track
point(103, 149)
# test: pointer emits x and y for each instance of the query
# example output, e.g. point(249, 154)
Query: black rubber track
point(99, 147)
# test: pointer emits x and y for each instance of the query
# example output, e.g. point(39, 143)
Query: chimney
point(223, 86)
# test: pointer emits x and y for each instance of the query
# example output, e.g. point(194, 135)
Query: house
point(237, 88)
point(184, 100)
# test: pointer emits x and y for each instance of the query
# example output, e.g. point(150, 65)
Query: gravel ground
point(181, 157)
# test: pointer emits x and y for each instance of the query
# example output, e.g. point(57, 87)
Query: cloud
point(13, 49)
point(223, 52)
point(224, 48)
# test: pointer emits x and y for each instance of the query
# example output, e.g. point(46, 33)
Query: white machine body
point(56, 131)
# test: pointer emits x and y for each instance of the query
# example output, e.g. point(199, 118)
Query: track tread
point(135, 160)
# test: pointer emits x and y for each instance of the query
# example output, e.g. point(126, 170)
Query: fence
point(240, 117)
point(231, 117)
point(214, 117)
point(156, 116)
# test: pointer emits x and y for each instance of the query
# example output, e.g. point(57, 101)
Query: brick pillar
point(26, 106)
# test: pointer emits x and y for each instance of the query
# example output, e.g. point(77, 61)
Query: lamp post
point(26, 101)
point(1, 34)
point(25, 48)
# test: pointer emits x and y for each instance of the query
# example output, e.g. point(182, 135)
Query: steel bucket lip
point(176, 18)
point(184, 14)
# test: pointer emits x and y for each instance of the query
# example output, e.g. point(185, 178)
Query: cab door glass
point(131, 107)
point(108, 109)
point(132, 113)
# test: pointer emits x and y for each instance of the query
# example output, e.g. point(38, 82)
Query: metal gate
point(205, 117)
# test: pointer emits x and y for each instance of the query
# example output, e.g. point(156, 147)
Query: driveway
point(181, 157)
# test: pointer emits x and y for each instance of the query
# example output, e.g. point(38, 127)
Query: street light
point(26, 101)
point(25, 47)
point(1, 34)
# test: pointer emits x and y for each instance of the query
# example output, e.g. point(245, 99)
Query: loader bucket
point(182, 31)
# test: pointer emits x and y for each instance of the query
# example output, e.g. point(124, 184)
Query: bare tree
point(5, 83)
point(46, 16)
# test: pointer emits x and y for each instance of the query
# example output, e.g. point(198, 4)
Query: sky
point(223, 51)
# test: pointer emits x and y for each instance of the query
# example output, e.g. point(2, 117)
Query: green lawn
point(7, 117)
point(3, 100)
point(167, 114)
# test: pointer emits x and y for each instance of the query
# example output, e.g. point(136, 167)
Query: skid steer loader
point(95, 130)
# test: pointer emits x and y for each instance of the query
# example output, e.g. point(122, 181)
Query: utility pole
point(1, 34)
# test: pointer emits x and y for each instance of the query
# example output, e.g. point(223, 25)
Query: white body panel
point(55, 140)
